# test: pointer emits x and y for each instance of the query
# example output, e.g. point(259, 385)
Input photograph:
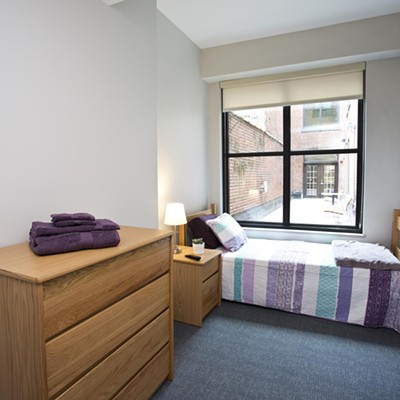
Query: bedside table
point(197, 285)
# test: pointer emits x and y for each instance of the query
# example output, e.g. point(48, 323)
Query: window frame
point(287, 155)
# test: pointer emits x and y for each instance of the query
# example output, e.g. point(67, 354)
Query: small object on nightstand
point(193, 257)
point(198, 245)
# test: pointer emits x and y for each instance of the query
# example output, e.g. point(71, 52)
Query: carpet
point(246, 352)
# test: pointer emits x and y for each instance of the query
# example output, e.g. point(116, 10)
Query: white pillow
point(229, 232)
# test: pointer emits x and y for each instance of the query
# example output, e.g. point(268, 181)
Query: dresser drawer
point(78, 295)
point(73, 352)
point(115, 371)
point(210, 294)
point(148, 380)
point(210, 268)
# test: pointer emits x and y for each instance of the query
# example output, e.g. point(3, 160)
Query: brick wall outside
point(247, 175)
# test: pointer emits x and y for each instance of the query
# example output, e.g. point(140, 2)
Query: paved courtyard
point(310, 211)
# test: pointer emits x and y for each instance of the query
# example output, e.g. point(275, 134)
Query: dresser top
point(18, 261)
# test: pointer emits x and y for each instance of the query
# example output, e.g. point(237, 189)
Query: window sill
point(321, 128)
point(308, 236)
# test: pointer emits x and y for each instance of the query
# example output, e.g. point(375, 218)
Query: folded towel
point(39, 229)
point(105, 224)
point(74, 216)
point(48, 229)
point(74, 222)
point(46, 245)
point(349, 253)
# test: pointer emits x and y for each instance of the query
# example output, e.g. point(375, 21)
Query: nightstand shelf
point(197, 285)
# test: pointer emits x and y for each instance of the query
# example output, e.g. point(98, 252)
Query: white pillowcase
point(229, 232)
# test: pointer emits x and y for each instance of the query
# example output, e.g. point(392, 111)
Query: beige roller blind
point(312, 86)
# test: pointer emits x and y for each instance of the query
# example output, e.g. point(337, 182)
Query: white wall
point(362, 40)
point(182, 121)
point(382, 160)
point(78, 112)
point(83, 120)
point(376, 41)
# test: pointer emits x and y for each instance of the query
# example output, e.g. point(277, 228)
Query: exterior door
point(320, 179)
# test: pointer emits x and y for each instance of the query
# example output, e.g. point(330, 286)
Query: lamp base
point(177, 250)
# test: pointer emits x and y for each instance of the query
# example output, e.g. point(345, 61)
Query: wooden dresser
point(91, 324)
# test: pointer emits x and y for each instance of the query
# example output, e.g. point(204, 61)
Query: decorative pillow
point(229, 232)
point(200, 229)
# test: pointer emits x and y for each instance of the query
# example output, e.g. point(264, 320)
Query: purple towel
point(74, 222)
point(74, 241)
point(106, 225)
point(39, 229)
point(72, 217)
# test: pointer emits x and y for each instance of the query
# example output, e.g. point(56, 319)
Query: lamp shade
point(175, 214)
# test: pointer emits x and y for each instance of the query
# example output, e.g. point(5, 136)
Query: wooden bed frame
point(395, 233)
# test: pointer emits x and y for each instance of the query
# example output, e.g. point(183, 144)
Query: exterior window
point(319, 115)
point(279, 174)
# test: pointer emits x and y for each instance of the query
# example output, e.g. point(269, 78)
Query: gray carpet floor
point(250, 353)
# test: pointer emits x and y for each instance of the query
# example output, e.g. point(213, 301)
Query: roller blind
point(312, 86)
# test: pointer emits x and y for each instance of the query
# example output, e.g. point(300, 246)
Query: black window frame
point(287, 153)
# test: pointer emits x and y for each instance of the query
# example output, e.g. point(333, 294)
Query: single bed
point(315, 279)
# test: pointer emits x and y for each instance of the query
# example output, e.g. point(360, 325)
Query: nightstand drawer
point(210, 294)
point(210, 268)
point(124, 363)
point(73, 352)
point(78, 295)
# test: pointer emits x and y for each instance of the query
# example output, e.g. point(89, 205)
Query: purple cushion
point(200, 229)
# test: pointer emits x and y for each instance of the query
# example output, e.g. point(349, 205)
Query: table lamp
point(175, 215)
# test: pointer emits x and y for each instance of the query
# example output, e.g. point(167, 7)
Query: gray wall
point(182, 121)
point(106, 110)
point(376, 41)
point(382, 161)
point(78, 112)
point(337, 44)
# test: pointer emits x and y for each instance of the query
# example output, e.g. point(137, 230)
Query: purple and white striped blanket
point(303, 278)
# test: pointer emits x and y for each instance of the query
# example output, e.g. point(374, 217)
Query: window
point(321, 115)
point(295, 166)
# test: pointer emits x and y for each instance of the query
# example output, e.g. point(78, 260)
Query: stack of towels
point(72, 232)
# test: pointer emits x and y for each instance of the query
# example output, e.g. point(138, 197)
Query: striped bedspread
point(302, 277)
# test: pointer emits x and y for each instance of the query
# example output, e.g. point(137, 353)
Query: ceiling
point(210, 23)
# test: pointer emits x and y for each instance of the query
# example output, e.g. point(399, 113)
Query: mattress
point(303, 278)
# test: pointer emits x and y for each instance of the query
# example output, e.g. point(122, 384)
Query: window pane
point(323, 189)
point(256, 188)
point(256, 130)
point(320, 114)
point(322, 126)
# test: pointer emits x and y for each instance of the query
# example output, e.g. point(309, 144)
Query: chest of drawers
point(93, 324)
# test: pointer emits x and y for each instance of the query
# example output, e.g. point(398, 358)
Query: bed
point(333, 281)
